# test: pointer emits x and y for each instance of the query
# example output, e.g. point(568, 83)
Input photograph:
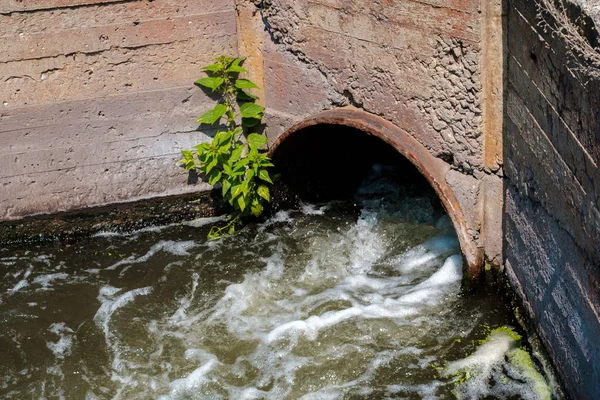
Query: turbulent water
point(345, 300)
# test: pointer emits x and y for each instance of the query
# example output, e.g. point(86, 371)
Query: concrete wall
point(97, 97)
point(433, 69)
point(552, 194)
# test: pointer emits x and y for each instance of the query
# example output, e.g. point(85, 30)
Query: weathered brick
point(552, 219)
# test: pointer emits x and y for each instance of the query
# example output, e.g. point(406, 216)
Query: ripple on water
point(322, 302)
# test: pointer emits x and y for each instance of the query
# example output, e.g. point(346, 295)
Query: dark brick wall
point(552, 195)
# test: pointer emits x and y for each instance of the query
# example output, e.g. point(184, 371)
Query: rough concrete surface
point(117, 75)
point(97, 98)
point(416, 64)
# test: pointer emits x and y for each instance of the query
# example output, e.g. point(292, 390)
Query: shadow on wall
point(552, 190)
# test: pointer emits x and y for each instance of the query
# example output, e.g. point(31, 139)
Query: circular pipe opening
point(327, 156)
point(328, 162)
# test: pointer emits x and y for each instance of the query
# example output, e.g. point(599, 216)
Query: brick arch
point(433, 169)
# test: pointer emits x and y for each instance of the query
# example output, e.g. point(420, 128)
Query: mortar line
point(587, 154)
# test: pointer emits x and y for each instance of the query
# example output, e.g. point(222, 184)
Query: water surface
point(358, 299)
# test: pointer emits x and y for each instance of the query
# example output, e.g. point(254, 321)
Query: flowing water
point(357, 299)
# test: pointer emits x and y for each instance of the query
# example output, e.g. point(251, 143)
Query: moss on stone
point(521, 361)
point(500, 366)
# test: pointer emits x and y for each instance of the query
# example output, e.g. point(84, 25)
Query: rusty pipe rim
point(433, 169)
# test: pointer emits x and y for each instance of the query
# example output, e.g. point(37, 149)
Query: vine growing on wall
point(235, 159)
point(555, 16)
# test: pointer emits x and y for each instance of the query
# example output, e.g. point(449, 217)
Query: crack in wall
point(68, 7)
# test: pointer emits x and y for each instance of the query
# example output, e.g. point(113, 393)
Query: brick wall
point(97, 97)
point(552, 195)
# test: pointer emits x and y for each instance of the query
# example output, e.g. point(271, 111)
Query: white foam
point(279, 217)
point(437, 284)
point(46, 280)
point(62, 347)
point(190, 386)
point(20, 285)
point(200, 222)
point(426, 255)
point(311, 209)
point(180, 316)
point(175, 248)
point(367, 246)
point(492, 362)
point(110, 303)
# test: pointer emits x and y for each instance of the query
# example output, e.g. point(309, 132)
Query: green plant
point(239, 166)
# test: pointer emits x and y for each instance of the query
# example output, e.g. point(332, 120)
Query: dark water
point(345, 300)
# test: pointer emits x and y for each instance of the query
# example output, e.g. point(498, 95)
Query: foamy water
point(356, 299)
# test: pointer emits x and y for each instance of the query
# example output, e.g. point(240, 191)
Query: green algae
point(500, 365)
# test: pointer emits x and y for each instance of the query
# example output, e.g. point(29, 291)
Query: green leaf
point(245, 84)
point(226, 187)
point(202, 148)
point(250, 175)
point(264, 192)
point(211, 83)
point(203, 157)
point(238, 61)
point(223, 140)
point(187, 154)
point(251, 110)
point(212, 116)
point(250, 122)
point(236, 69)
point(246, 188)
point(240, 165)
point(236, 154)
point(225, 60)
point(214, 233)
point(231, 229)
point(190, 165)
point(256, 141)
point(245, 96)
point(257, 209)
point(264, 175)
point(214, 178)
point(227, 168)
point(213, 67)
point(211, 165)
point(241, 203)
point(236, 191)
